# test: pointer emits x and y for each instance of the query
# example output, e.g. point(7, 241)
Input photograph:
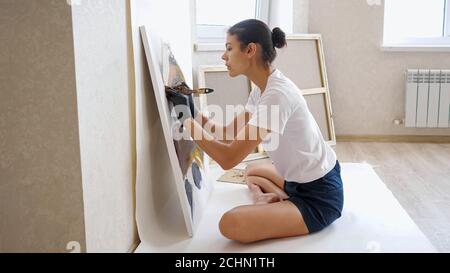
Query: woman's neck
point(260, 77)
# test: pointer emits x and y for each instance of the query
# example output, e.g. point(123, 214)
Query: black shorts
point(320, 201)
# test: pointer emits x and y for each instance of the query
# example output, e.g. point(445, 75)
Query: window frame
point(214, 34)
point(447, 19)
point(438, 44)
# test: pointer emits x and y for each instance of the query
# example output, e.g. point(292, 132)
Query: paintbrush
point(184, 89)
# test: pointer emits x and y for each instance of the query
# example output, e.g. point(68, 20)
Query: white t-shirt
point(295, 144)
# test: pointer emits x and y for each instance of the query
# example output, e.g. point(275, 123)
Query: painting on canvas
point(188, 163)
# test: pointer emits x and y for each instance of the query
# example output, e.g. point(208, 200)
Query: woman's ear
point(251, 50)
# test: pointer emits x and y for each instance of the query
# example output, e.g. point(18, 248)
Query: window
point(417, 22)
point(214, 17)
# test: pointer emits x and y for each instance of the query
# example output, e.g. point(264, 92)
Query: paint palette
point(236, 176)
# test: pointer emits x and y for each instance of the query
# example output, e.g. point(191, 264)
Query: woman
point(301, 192)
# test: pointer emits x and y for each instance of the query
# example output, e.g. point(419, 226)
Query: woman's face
point(236, 60)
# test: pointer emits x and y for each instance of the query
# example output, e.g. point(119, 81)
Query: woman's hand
point(183, 104)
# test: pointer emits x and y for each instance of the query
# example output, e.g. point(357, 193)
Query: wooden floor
point(418, 174)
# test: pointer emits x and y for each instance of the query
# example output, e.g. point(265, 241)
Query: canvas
point(190, 171)
point(303, 61)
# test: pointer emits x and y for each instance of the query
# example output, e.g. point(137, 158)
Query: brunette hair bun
point(278, 38)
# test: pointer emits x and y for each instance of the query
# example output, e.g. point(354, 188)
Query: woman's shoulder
point(284, 84)
point(280, 80)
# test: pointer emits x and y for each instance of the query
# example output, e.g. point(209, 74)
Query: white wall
point(106, 120)
point(367, 85)
point(281, 15)
point(300, 16)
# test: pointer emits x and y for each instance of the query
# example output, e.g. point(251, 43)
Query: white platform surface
point(372, 221)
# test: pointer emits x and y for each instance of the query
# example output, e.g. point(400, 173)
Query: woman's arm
point(226, 133)
point(227, 155)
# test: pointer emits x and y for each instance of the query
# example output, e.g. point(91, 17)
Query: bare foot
point(267, 198)
point(255, 191)
point(260, 198)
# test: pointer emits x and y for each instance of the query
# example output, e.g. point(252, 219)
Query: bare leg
point(253, 223)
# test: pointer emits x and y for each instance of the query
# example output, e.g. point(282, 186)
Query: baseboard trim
point(393, 138)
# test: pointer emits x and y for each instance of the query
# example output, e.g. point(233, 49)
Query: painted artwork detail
point(190, 156)
point(188, 188)
point(197, 175)
point(174, 78)
point(189, 166)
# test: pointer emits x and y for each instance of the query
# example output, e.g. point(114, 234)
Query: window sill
point(415, 48)
point(201, 47)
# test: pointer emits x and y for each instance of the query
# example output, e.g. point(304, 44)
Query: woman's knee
point(228, 224)
point(231, 226)
point(251, 180)
point(249, 172)
point(251, 169)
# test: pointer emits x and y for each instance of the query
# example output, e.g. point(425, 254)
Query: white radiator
point(427, 98)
